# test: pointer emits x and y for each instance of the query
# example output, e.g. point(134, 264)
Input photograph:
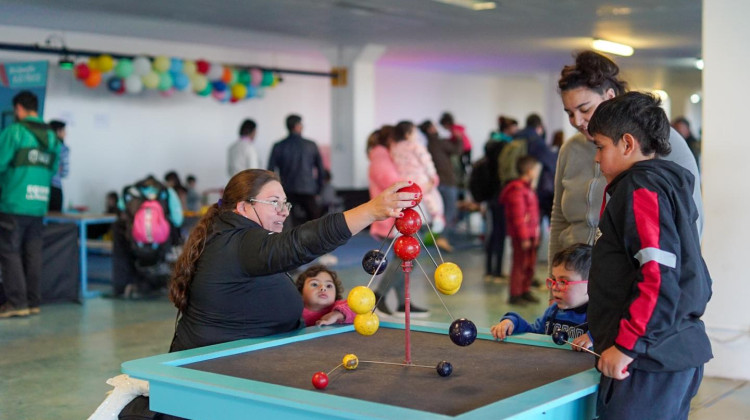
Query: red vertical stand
point(406, 266)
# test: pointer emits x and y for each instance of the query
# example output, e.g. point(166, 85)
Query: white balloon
point(215, 72)
point(133, 84)
point(141, 66)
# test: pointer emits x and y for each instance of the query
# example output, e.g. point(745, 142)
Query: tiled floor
point(55, 365)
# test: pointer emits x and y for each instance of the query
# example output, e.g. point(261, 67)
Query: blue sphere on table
point(560, 337)
point(462, 332)
point(444, 368)
point(372, 260)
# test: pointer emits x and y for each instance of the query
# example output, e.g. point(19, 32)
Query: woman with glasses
point(568, 285)
point(231, 281)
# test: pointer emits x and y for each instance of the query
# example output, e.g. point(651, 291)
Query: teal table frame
point(82, 220)
point(203, 395)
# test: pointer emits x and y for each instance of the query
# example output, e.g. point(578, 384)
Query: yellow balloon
point(350, 362)
point(150, 80)
point(94, 63)
point(239, 91)
point(189, 68)
point(199, 82)
point(105, 63)
point(366, 324)
point(361, 300)
point(448, 278)
point(162, 63)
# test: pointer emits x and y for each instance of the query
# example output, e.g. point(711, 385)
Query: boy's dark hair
point(190, 178)
point(313, 271)
point(447, 119)
point(636, 113)
point(533, 121)
point(525, 163)
point(576, 257)
point(27, 100)
point(506, 122)
point(292, 121)
point(247, 127)
point(56, 125)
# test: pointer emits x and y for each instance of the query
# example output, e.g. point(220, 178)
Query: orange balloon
point(227, 76)
point(95, 77)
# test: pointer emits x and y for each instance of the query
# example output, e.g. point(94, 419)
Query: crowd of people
point(622, 198)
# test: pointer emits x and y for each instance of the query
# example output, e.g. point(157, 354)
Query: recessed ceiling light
point(695, 98)
point(470, 4)
point(612, 47)
point(699, 63)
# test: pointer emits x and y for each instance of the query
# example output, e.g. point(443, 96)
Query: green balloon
point(243, 77)
point(429, 239)
point(124, 68)
point(165, 81)
point(267, 78)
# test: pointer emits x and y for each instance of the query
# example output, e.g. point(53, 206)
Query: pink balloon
point(256, 76)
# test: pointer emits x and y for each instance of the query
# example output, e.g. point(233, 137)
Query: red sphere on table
point(413, 188)
point(406, 248)
point(409, 223)
point(320, 380)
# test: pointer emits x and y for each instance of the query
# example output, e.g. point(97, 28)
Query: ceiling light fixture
point(612, 47)
point(470, 4)
point(699, 63)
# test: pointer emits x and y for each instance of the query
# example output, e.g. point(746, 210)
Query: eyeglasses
point(562, 284)
point(278, 205)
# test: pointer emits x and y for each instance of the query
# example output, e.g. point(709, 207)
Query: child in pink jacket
point(322, 294)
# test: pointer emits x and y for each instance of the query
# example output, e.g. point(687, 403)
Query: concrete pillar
point(352, 113)
point(725, 191)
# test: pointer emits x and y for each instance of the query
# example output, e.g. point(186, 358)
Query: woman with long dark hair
point(230, 281)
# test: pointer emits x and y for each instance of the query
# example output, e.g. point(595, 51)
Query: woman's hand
point(389, 203)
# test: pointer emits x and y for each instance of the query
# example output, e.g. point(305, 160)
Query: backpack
point(506, 164)
point(484, 183)
point(147, 227)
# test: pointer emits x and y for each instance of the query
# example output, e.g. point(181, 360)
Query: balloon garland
point(167, 75)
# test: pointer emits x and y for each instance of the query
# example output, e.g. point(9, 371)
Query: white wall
point(474, 101)
point(726, 200)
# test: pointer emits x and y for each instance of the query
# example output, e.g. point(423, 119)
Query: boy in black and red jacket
point(648, 285)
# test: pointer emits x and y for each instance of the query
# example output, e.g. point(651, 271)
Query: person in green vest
point(29, 154)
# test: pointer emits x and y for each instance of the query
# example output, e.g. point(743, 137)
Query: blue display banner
point(23, 75)
point(15, 77)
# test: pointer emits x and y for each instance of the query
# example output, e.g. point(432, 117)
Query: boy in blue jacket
point(648, 284)
point(568, 284)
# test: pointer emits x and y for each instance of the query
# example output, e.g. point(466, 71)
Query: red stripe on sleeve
point(646, 212)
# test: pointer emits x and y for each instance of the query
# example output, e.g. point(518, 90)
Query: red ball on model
point(413, 188)
point(409, 223)
point(320, 380)
point(406, 248)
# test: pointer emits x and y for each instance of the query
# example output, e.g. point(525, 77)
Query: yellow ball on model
point(350, 362)
point(366, 324)
point(448, 278)
point(361, 300)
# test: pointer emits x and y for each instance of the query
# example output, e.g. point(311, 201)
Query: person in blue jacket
point(568, 286)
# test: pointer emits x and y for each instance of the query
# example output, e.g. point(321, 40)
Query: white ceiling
point(519, 35)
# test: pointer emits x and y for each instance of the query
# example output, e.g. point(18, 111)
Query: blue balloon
point(180, 81)
point(252, 91)
point(219, 86)
point(175, 65)
point(115, 84)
